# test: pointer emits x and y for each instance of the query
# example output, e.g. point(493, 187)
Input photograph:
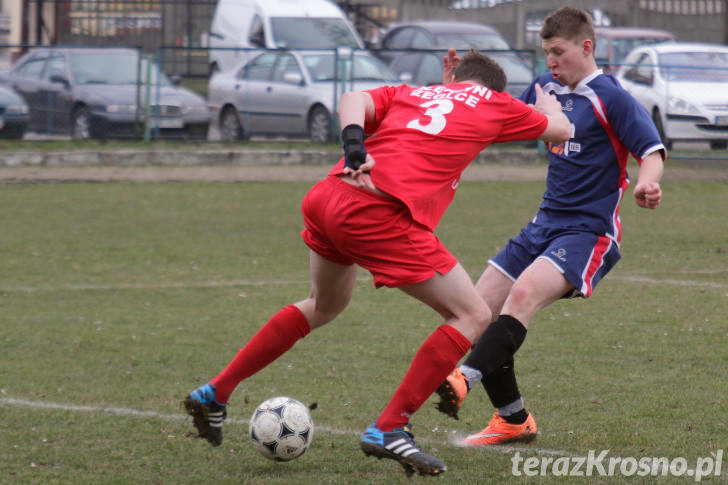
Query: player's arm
point(355, 110)
point(558, 129)
point(647, 191)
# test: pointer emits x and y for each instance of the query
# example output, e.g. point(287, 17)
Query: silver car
point(291, 93)
point(684, 86)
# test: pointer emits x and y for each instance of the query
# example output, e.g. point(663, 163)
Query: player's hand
point(546, 103)
point(648, 194)
point(361, 175)
point(448, 64)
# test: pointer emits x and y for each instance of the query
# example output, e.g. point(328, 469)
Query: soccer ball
point(281, 428)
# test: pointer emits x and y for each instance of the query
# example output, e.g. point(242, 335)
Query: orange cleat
point(499, 432)
point(452, 393)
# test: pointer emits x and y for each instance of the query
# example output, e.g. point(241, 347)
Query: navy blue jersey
point(587, 175)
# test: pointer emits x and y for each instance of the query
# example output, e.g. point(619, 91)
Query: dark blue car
point(13, 114)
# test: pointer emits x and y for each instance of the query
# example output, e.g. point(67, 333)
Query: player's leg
point(493, 286)
point(332, 286)
point(466, 314)
point(538, 286)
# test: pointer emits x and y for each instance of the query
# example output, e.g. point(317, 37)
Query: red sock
point(437, 357)
point(283, 330)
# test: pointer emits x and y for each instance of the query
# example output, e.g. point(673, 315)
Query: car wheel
point(319, 125)
point(13, 133)
point(81, 124)
point(657, 119)
point(230, 127)
point(719, 144)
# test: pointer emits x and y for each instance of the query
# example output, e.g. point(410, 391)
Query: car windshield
point(705, 67)
point(365, 68)
point(312, 33)
point(480, 41)
point(112, 68)
point(622, 47)
point(514, 67)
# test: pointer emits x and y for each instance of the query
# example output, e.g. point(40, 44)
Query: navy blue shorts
point(582, 257)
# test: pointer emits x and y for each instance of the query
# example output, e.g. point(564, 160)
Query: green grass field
point(118, 299)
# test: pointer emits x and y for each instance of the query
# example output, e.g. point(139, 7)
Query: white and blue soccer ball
point(281, 428)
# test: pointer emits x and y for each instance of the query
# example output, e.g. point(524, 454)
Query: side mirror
point(176, 79)
point(293, 78)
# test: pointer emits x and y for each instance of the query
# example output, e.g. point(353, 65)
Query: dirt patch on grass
point(272, 173)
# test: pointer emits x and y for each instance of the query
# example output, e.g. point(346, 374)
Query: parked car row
point(100, 92)
point(97, 92)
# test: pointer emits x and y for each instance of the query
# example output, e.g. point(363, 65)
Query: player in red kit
point(378, 209)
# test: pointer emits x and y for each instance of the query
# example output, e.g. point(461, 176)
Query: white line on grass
point(452, 438)
point(668, 281)
point(234, 283)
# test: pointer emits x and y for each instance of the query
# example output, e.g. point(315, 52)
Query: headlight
point(196, 110)
point(121, 108)
point(678, 106)
point(16, 109)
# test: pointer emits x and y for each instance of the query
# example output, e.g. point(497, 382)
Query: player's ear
point(587, 46)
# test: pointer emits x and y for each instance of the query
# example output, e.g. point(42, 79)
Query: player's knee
point(325, 312)
point(519, 296)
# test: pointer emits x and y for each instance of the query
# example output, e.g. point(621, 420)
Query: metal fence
point(676, 116)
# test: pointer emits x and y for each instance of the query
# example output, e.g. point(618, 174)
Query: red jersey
point(424, 137)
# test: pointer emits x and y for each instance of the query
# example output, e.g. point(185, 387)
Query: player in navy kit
point(574, 239)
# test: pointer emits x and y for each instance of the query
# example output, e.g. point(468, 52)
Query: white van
point(274, 24)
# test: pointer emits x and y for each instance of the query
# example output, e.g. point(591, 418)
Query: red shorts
point(348, 225)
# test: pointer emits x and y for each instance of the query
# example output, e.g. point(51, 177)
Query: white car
point(684, 86)
point(291, 93)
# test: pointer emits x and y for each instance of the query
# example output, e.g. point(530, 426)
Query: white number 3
point(436, 110)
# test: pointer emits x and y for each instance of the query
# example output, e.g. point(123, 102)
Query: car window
point(113, 67)
point(312, 33)
point(260, 67)
point(430, 70)
point(286, 64)
point(398, 39)
point(694, 66)
point(516, 70)
point(257, 34)
point(643, 70)
point(407, 63)
point(420, 40)
point(321, 67)
point(482, 41)
point(56, 67)
point(32, 68)
point(622, 46)
point(600, 50)
point(370, 68)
